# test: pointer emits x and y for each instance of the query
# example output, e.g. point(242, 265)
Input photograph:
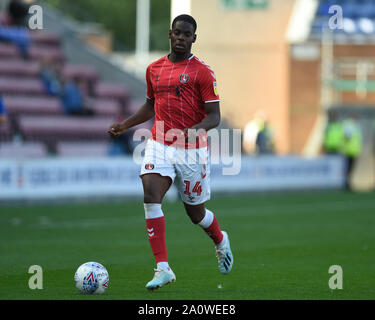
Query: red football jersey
point(180, 90)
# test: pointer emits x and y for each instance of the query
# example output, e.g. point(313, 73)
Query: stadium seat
point(106, 107)
point(23, 150)
point(29, 105)
point(367, 10)
point(45, 38)
point(80, 71)
point(351, 10)
point(18, 67)
point(21, 86)
point(8, 50)
point(111, 90)
point(47, 53)
point(64, 128)
point(82, 148)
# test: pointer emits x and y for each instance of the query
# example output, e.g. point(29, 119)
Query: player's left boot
point(161, 278)
point(224, 255)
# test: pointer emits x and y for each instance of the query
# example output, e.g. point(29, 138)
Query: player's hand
point(116, 129)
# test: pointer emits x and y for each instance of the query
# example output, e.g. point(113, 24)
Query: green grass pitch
point(283, 246)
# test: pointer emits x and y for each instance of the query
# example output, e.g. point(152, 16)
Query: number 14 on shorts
point(196, 189)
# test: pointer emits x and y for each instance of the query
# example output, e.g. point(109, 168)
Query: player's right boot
point(224, 255)
point(161, 278)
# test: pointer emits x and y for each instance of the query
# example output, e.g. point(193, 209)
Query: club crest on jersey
point(149, 166)
point(184, 78)
point(215, 87)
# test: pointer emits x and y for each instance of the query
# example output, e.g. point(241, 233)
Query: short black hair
point(185, 18)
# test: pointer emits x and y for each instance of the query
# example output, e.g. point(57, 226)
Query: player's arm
point(146, 112)
point(212, 119)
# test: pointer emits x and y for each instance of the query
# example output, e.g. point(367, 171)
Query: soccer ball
point(91, 278)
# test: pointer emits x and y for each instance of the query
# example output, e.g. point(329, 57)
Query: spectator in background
point(264, 140)
point(17, 12)
point(351, 146)
point(50, 77)
point(19, 36)
point(3, 113)
point(68, 90)
point(251, 132)
point(333, 135)
point(72, 98)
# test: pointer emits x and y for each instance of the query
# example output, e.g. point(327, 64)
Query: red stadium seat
point(21, 86)
point(29, 105)
point(82, 148)
point(45, 37)
point(18, 67)
point(64, 128)
point(111, 90)
point(23, 150)
point(8, 50)
point(80, 71)
point(47, 53)
point(106, 107)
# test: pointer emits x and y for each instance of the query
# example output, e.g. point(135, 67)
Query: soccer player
point(182, 95)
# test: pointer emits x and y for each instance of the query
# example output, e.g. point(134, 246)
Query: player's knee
point(151, 196)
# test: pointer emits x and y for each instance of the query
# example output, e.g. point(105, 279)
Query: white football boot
point(224, 255)
point(161, 278)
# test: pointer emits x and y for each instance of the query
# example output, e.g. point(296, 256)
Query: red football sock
point(214, 231)
point(156, 236)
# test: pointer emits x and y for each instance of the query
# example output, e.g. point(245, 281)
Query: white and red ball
point(91, 278)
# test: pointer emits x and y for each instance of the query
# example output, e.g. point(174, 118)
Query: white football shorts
point(189, 169)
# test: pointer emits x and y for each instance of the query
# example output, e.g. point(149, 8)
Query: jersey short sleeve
point(150, 90)
point(208, 86)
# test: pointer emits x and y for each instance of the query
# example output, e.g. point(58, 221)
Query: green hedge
point(118, 16)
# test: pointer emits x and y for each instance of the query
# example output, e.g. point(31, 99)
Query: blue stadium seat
point(367, 10)
point(351, 10)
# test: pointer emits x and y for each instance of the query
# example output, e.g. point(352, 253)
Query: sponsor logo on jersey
point(184, 78)
point(215, 88)
point(149, 166)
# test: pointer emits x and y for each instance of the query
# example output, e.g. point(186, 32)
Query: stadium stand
point(358, 18)
point(29, 105)
point(38, 117)
point(51, 129)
